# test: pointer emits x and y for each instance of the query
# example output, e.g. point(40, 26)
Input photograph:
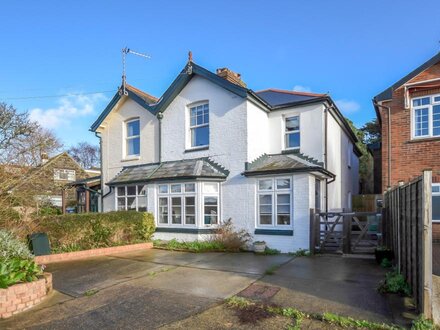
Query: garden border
point(77, 255)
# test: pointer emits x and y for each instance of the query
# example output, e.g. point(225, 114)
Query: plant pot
point(259, 247)
point(383, 254)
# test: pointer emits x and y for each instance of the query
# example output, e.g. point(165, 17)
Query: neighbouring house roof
point(92, 181)
point(387, 94)
point(285, 163)
point(189, 169)
point(277, 97)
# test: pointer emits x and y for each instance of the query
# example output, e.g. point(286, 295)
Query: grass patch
point(91, 292)
point(300, 253)
point(394, 283)
point(298, 316)
point(271, 270)
point(195, 246)
point(423, 324)
point(269, 252)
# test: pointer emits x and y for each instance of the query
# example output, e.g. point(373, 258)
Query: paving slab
point(246, 262)
point(331, 284)
point(77, 277)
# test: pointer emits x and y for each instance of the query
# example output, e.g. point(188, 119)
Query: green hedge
point(76, 232)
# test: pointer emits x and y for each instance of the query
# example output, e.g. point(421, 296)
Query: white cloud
point(299, 88)
point(347, 106)
point(69, 108)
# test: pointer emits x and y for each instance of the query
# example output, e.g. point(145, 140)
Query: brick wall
point(22, 296)
point(409, 157)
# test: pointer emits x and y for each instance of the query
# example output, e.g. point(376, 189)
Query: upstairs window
point(199, 125)
point(426, 116)
point(292, 132)
point(133, 137)
point(63, 174)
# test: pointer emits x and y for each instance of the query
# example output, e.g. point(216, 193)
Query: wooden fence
point(407, 230)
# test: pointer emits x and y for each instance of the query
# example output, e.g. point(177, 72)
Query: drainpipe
point(325, 155)
point(389, 138)
point(159, 117)
point(100, 166)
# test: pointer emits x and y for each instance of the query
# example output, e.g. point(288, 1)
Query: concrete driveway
point(141, 290)
point(156, 288)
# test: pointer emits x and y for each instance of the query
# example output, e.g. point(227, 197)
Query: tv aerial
point(125, 52)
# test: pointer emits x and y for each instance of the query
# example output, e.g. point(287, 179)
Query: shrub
point(16, 270)
point(11, 247)
point(231, 239)
point(421, 323)
point(395, 283)
point(74, 232)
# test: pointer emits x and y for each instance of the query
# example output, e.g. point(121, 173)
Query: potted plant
point(259, 246)
point(382, 252)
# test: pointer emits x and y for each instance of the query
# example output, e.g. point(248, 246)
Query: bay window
point(274, 198)
point(426, 116)
point(177, 204)
point(131, 198)
point(210, 203)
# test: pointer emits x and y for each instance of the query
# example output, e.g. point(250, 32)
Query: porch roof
point(187, 169)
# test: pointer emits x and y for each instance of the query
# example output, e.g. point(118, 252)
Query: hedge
point(76, 232)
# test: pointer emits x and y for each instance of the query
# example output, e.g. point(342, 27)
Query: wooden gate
point(345, 232)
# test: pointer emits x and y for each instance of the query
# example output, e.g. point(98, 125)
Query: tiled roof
point(284, 163)
point(180, 169)
point(277, 97)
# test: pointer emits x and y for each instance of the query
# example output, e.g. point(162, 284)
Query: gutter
point(377, 105)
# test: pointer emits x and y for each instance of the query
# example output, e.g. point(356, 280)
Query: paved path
point(154, 288)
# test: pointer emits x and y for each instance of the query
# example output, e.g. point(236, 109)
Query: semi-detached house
point(211, 149)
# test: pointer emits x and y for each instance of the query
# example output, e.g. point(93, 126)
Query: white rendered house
point(211, 149)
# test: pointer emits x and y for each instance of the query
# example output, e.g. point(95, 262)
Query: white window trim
point(182, 194)
point(135, 196)
point(126, 156)
point(189, 129)
point(58, 171)
point(435, 194)
point(212, 194)
point(274, 192)
point(285, 132)
point(430, 116)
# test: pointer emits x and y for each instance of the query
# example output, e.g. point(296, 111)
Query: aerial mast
point(126, 51)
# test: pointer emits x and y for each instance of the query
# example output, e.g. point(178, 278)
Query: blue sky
point(352, 49)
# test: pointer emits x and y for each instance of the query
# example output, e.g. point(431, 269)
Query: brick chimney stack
point(44, 158)
point(231, 76)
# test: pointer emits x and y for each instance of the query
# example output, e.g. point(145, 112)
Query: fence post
point(312, 239)
point(427, 244)
point(346, 247)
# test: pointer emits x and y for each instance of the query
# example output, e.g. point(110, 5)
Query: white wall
point(259, 136)
point(113, 142)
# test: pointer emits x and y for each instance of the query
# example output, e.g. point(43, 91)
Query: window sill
point(274, 232)
point(183, 230)
point(131, 158)
point(291, 151)
point(197, 149)
point(424, 139)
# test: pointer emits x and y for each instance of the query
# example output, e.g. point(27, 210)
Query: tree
point(86, 154)
point(371, 131)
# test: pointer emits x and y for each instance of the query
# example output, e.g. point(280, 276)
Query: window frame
point(274, 192)
point(432, 199)
point(191, 128)
point(183, 194)
point(430, 108)
point(132, 137)
point(136, 196)
point(210, 194)
point(287, 133)
point(58, 171)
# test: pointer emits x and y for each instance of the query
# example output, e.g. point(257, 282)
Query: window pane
point(283, 219)
point(121, 191)
point(190, 210)
point(131, 203)
point(283, 183)
point(190, 187)
point(435, 207)
point(133, 146)
point(142, 190)
point(131, 190)
point(142, 204)
point(436, 120)
point(265, 199)
point(293, 140)
point(435, 189)
point(176, 188)
point(163, 189)
point(422, 101)
point(210, 210)
point(421, 122)
point(163, 210)
point(283, 199)
point(133, 128)
point(437, 99)
point(176, 209)
point(210, 187)
point(200, 136)
point(265, 219)
point(283, 209)
point(265, 209)
point(292, 124)
point(121, 204)
point(265, 184)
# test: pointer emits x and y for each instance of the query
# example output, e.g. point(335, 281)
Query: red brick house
point(409, 115)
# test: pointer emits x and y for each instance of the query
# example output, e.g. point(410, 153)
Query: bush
point(395, 283)
point(74, 232)
point(232, 240)
point(16, 270)
point(11, 247)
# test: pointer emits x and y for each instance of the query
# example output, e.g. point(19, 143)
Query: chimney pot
point(230, 76)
